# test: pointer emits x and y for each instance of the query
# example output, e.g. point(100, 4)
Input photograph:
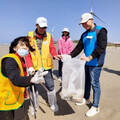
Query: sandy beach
point(109, 101)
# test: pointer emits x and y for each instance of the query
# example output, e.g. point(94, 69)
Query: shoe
point(60, 79)
point(83, 102)
point(54, 108)
point(32, 111)
point(93, 111)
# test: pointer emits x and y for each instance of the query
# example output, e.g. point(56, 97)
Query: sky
point(18, 17)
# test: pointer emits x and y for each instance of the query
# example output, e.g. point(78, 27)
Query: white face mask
point(22, 52)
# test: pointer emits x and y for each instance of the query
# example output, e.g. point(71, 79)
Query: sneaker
point(32, 111)
point(83, 102)
point(54, 108)
point(93, 111)
point(60, 79)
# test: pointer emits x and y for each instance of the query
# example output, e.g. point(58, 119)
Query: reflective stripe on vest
point(42, 59)
point(11, 97)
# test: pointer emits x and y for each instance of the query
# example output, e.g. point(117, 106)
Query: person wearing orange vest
point(13, 79)
point(44, 47)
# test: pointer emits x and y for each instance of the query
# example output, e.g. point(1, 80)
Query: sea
point(4, 43)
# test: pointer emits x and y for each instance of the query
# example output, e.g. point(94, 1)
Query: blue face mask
point(22, 52)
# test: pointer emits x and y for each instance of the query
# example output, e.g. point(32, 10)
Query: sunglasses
point(43, 27)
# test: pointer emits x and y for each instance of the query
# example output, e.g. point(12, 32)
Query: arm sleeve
point(101, 43)
point(59, 46)
point(53, 51)
point(12, 72)
point(79, 47)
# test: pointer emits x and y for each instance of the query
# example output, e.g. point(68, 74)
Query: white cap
point(85, 17)
point(65, 30)
point(42, 22)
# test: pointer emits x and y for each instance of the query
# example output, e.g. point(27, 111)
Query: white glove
point(31, 71)
point(40, 70)
point(38, 77)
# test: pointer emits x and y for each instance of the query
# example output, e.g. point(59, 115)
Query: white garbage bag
point(73, 78)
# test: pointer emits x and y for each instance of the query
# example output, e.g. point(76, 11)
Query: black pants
point(7, 115)
point(60, 68)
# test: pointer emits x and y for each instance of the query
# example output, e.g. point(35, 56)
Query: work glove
point(31, 71)
point(38, 77)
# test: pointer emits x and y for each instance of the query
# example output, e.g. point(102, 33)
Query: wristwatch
point(90, 57)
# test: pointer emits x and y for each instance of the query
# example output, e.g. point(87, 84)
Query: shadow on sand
point(64, 107)
point(112, 71)
point(55, 72)
point(22, 112)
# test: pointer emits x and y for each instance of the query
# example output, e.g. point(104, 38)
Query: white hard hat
point(42, 22)
point(85, 17)
point(65, 30)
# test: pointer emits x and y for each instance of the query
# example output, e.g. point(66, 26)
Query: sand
point(109, 101)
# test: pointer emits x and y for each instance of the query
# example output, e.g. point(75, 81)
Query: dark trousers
point(60, 68)
point(7, 115)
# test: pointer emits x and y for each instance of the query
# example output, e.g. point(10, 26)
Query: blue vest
point(90, 43)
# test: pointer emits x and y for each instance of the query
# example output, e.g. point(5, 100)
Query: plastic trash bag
point(73, 78)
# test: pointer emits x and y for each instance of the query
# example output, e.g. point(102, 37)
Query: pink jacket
point(65, 47)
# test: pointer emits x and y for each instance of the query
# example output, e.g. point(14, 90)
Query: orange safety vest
point(11, 96)
point(42, 59)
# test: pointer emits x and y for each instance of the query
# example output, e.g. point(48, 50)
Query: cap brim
point(43, 25)
point(65, 31)
point(83, 22)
